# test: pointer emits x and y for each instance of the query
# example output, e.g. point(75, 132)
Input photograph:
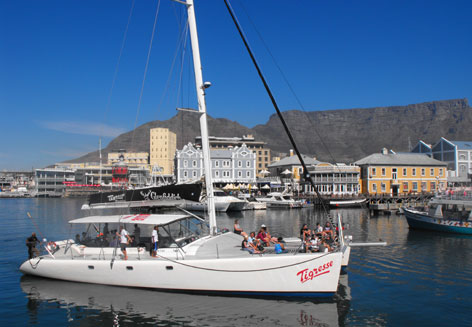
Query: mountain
point(344, 135)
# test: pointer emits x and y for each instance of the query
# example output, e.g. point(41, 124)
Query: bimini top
point(130, 219)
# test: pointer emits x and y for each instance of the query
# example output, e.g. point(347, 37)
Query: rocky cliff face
point(334, 135)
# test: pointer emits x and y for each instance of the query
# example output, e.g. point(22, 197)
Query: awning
point(130, 219)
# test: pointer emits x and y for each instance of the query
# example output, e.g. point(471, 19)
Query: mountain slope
point(332, 135)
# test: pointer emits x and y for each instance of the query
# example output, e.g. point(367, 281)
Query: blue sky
point(58, 61)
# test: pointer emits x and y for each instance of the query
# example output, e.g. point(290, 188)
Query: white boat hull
point(347, 203)
point(282, 275)
point(237, 205)
point(284, 205)
point(199, 206)
point(254, 205)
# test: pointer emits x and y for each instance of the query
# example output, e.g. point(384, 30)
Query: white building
point(232, 165)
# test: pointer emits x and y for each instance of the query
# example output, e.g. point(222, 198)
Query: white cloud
point(82, 128)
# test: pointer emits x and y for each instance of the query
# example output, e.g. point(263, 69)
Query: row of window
point(383, 172)
point(406, 187)
point(464, 155)
point(216, 163)
point(157, 137)
point(330, 188)
point(224, 173)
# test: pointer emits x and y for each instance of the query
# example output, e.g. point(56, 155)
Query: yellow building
point(162, 145)
point(402, 173)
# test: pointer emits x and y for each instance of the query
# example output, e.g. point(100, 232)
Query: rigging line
point(274, 103)
point(145, 72)
point(179, 45)
point(182, 62)
point(246, 270)
point(288, 84)
point(115, 75)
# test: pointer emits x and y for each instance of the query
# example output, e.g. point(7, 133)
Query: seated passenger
point(328, 229)
point(304, 232)
point(251, 237)
point(314, 245)
point(77, 238)
point(84, 238)
point(319, 230)
point(245, 245)
point(237, 229)
point(262, 236)
point(280, 246)
point(328, 242)
point(268, 238)
point(258, 248)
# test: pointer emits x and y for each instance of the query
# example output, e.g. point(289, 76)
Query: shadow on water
point(108, 305)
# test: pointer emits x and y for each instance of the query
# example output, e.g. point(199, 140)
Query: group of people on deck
point(319, 239)
point(258, 243)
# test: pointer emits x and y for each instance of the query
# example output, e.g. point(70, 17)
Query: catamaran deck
point(226, 245)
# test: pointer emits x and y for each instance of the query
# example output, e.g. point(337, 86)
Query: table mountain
point(344, 135)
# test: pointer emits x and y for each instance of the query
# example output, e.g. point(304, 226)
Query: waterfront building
point(263, 154)
point(111, 175)
point(330, 179)
point(289, 169)
point(51, 182)
point(401, 173)
point(338, 179)
point(162, 147)
point(15, 180)
point(231, 165)
point(129, 158)
point(457, 155)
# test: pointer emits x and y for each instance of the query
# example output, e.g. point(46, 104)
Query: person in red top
point(263, 236)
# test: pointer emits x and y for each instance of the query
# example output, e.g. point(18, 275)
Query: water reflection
point(109, 305)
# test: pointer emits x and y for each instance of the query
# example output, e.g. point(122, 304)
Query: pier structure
point(390, 204)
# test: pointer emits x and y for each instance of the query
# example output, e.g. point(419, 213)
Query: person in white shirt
point(124, 241)
point(155, 239)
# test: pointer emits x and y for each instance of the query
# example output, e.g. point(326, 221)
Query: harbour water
point(420, 279)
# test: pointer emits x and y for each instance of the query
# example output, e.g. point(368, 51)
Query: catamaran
point(191, 257)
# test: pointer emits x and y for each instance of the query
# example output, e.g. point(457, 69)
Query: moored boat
point(347, 202)
point(446, 213)
point(223, 203)
point(281, 200)
point(216, 263)
point(153, 196)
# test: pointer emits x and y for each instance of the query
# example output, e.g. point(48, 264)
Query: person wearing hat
point(271, 238)
point(262, 236)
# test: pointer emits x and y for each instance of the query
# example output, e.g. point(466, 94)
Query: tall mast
point(203, 115)
point(100, 151)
